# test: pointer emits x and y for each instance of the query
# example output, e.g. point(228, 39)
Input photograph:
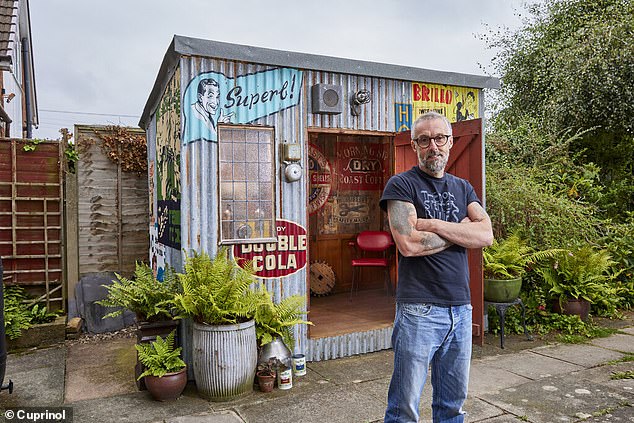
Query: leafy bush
point(16, 314)
point(160, 357)
point(518, 201)
point(585, 273)
point(19, 316)
point(143, 294)
point(509, 258)
point(279, 319)
point(217, 292)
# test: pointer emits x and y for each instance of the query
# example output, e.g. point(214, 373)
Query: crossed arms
point(422, 237)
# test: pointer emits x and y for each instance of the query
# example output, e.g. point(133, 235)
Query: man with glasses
point(434, 217)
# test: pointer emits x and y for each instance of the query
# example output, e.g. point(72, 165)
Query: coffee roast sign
point(277, 259)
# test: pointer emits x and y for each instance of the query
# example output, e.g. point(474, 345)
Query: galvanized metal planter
point(224, 360)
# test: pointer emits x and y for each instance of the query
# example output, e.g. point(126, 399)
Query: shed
point(283, 156)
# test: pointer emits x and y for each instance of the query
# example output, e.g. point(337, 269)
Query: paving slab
point(221, 417)
point(557, 399)
point(603, 376)
point(617, 342)
point(629, 330)
point(38, 379)
point(485, 378)
point(622, 414)
point(530, 365)
point(356, 368)
point(138, 407)
point(100, 370)
point(585, 355)
point(344, 404)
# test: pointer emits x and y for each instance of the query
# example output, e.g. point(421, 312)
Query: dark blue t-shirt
point(441, 278)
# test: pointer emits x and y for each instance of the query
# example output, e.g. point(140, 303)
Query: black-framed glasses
point(424, 142)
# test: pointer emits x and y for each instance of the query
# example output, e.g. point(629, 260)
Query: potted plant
point(505, 263)
point(149, 299)
point(216, 295)
point(273, 320)
point(143, 294)
point(267, 372)
point(165, 372)
point(578, 278)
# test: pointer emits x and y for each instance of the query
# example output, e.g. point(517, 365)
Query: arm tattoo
point(399, 213)
point(431, 241)
point(402, 214)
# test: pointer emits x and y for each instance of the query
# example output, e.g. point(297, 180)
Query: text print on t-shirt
point(440, 206)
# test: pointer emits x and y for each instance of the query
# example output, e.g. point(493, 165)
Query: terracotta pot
point(168, 387)
point(266, 382)
point(502, 290)
point(573, 306)
point(147, 332)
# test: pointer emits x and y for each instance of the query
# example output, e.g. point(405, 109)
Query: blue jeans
point(424, 335)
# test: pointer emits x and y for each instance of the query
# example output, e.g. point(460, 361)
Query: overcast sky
point(96, 60)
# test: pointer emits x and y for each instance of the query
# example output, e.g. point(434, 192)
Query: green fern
point(583, 273)
point(160, 357)
point(510, 258)
point(216, 291)
point(144, 295)
point(17, 316)
point(274, 320)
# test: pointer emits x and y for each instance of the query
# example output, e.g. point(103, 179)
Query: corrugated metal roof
point(186, 46)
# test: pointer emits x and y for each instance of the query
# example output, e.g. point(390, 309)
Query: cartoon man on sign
point(206, 106)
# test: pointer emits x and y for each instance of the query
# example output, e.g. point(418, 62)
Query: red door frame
point(465, 161)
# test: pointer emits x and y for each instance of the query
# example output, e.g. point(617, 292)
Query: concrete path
point(541, 384)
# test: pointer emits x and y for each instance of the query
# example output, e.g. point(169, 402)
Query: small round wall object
point(293, 172)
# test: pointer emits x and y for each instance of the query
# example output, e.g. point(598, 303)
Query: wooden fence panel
point(31, 220)
point(113, 218)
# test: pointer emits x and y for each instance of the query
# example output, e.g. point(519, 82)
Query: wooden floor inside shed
point(339, 314)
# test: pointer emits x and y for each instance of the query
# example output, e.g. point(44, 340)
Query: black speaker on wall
point(327, 99)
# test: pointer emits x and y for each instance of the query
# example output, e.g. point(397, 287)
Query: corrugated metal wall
point(112, 208)
point(377, 115)
point(199, 180)
point(199, 203)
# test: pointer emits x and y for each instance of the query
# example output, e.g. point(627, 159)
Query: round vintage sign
point(320, 179)
point(277, 259)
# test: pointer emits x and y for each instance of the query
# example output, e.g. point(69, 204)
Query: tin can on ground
point(299, 365)
point(285, 379)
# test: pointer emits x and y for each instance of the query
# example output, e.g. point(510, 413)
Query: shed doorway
point(347, 173)
point(343, 202)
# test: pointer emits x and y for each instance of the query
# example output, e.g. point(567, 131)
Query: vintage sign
point(320, 174)
point(361, 166)
point(211, 98)
point(277, 259)
point(457, 103)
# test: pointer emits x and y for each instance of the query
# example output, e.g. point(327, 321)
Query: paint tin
point(285, 379)
point(299, 365)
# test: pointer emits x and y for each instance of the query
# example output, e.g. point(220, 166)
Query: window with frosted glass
point(247, 203)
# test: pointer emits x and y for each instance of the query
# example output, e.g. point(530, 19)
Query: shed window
point(247, 205)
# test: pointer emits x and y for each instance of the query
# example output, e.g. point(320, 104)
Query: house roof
point(186, 46)
point(8, 25)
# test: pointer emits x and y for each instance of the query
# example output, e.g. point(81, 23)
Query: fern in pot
point(578, 278)
point(165, 372)
point(217, 296)
point(148, 298)
point(505, 263)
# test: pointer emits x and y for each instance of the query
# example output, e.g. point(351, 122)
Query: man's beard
point(435, 162)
